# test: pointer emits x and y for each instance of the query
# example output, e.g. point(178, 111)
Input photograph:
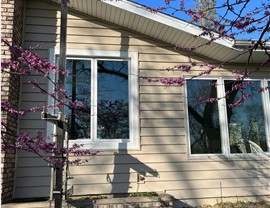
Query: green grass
point(243, 205)
point(143, 194)
point(135, 194)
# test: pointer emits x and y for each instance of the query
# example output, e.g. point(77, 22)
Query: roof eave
point(245, 44)
point(173, 22)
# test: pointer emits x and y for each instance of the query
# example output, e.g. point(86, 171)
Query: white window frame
point(225, 146)
point(131, 143)
point(266, 102)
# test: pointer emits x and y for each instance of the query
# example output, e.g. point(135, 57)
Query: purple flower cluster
point(25, 63)
point(45, 149)
point(172, 81)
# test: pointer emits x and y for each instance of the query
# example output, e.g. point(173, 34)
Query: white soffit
point(163, 27)
point(164, 19)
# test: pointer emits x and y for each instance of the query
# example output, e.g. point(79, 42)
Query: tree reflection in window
point(112, 95)
point(78, 87)
point(246, 122)
point(204, 129)
point(112, 98)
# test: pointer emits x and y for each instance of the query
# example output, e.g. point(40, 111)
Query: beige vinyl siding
point(32, 176)
point(32, 173)
point(163, 157)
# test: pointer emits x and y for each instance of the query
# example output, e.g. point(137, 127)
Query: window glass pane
point(113, 110)
point(204, 129)
point(246, 121)
point(78, 87)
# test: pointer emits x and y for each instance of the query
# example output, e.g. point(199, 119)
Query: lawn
point(240, 205)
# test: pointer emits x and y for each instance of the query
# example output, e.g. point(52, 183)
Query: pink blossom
point(207, 100)
point(75, 104)
point(241, 100)
point(172, 81)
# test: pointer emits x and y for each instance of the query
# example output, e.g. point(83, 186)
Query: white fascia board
point(245, 43)
point(166, 20)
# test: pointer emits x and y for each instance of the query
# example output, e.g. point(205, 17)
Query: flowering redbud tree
point(222, 20)
point(232, 19)
point(219, 20)
point(25, 63)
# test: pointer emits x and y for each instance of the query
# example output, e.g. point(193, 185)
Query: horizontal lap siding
point(187, 176)
point(163, 158)
point(32, 173)
point(175, 165)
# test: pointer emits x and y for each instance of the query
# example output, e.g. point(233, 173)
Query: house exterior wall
point(163, 157)
point(11, 30)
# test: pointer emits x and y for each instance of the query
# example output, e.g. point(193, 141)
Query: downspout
point(60, 133)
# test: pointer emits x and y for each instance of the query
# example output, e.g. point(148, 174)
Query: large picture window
point(219, 124)
point(107, 85)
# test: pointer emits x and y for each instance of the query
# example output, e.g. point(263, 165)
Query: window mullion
point(223, 118)
point(94, 100)
point(266, 103)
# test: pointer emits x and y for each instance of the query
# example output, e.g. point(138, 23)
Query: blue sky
point(190, 4)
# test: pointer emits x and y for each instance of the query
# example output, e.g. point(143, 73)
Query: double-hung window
point(106, 84)
point(227, 116)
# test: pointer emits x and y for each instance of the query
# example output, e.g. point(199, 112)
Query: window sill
point(240, 156)
point(105, 145)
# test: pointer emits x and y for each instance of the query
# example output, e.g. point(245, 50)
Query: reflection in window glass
point(204, 129)
point(112, 106)
point(246, 122)
point(78, 87)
